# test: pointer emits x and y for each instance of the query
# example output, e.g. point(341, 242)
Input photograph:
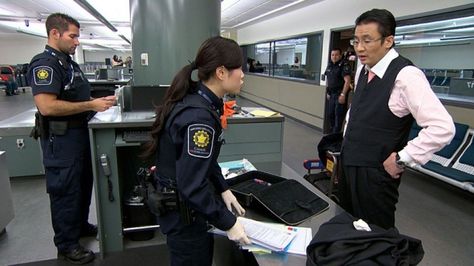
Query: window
point(297, 58)
point(442, 46)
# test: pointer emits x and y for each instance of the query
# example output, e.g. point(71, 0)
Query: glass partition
point(444, 49)
point(297, 58)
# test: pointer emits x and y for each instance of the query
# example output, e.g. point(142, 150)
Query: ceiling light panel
point(113, 10)
point(245, 11)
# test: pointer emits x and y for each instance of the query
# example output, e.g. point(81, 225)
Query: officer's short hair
point(60, 22)
point(337, 49)
point(384, 19)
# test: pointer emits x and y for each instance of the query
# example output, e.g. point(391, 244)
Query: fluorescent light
point(113, 11)
point(32, 34)
point(86, 6)
point(34, 28)
point(268, 13)
point(125, 38)
point(228, 3)
point(469, 37)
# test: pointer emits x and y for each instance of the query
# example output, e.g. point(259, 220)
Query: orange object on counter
point(228, 111)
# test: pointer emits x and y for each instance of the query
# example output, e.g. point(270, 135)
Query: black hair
point(60, 22)
point(384, 19)
point(337, 49)
point(213, 53)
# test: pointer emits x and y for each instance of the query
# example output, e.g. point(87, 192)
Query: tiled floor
point(440, 215)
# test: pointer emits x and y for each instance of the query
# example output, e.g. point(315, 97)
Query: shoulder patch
point(200, 140)
point(43, 75)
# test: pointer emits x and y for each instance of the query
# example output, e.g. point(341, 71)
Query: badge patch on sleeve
point(43, 75)
point(200, 140)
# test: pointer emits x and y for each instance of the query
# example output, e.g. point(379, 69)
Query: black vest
point(166, 156)
point(374, 132)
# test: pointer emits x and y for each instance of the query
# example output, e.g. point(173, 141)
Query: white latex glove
point(230, 201)
point(237, 234)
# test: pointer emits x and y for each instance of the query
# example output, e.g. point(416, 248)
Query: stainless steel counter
point(113, 118)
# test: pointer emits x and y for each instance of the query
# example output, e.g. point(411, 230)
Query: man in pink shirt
point(390, 94)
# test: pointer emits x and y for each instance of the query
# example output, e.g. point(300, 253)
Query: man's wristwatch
point(399, 162)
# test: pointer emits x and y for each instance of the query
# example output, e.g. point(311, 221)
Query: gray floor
point(440, 215)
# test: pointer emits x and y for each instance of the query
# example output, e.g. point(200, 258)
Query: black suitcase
point(284, 199)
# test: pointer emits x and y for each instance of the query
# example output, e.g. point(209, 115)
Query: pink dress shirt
point(413, 94)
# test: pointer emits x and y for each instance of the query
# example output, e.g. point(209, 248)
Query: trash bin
point(137, 214)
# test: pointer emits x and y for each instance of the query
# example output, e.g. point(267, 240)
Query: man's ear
point(388, 42)
point(54, 33)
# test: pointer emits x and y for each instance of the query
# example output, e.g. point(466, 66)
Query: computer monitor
point(145, 98)
point(113, 74)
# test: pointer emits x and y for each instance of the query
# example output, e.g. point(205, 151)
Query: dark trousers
point(68, 170)
point(335, 112)
point(191, 245)
point(369, 193)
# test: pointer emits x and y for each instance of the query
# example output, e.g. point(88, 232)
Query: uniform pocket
point(59, 175)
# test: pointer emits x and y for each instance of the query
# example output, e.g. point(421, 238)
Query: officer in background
point(62, 96)
point(338, 75)
point(187, 136)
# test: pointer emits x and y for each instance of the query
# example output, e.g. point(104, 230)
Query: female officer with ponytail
point(187, 136)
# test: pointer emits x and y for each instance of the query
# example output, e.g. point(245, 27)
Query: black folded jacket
point(337, 242)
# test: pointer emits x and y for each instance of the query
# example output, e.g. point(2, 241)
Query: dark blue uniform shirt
point(196, 134)
point(335, 73)
point(55, 72)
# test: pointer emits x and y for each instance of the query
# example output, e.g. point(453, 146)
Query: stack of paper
point(273, 238)
point(268, 237)
point(263, 113)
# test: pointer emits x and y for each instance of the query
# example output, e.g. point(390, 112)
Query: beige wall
point(461, 115)
point(305, 102)
point(302, 101)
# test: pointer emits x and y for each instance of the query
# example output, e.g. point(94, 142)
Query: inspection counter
point(23, 153)
point(258, 139)
point(104, 87)
point(116, 140)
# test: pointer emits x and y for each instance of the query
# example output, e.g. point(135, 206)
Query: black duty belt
point(82, 123)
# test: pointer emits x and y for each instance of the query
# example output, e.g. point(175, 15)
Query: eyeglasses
point(364, 42)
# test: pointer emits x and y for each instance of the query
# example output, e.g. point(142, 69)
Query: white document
point(267, 236)
point(304, 235)
point(109, 115)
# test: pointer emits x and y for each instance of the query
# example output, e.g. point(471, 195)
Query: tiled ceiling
point(237, 13)
point(19, 17)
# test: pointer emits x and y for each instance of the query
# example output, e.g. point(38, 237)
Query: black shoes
point(89, 230)
point(79, 255)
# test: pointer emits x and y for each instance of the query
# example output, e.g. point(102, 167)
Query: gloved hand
point(230, 201)
point(237, 233)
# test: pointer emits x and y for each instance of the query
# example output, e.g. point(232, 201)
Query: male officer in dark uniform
point(62, 96)
point(338, 75)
